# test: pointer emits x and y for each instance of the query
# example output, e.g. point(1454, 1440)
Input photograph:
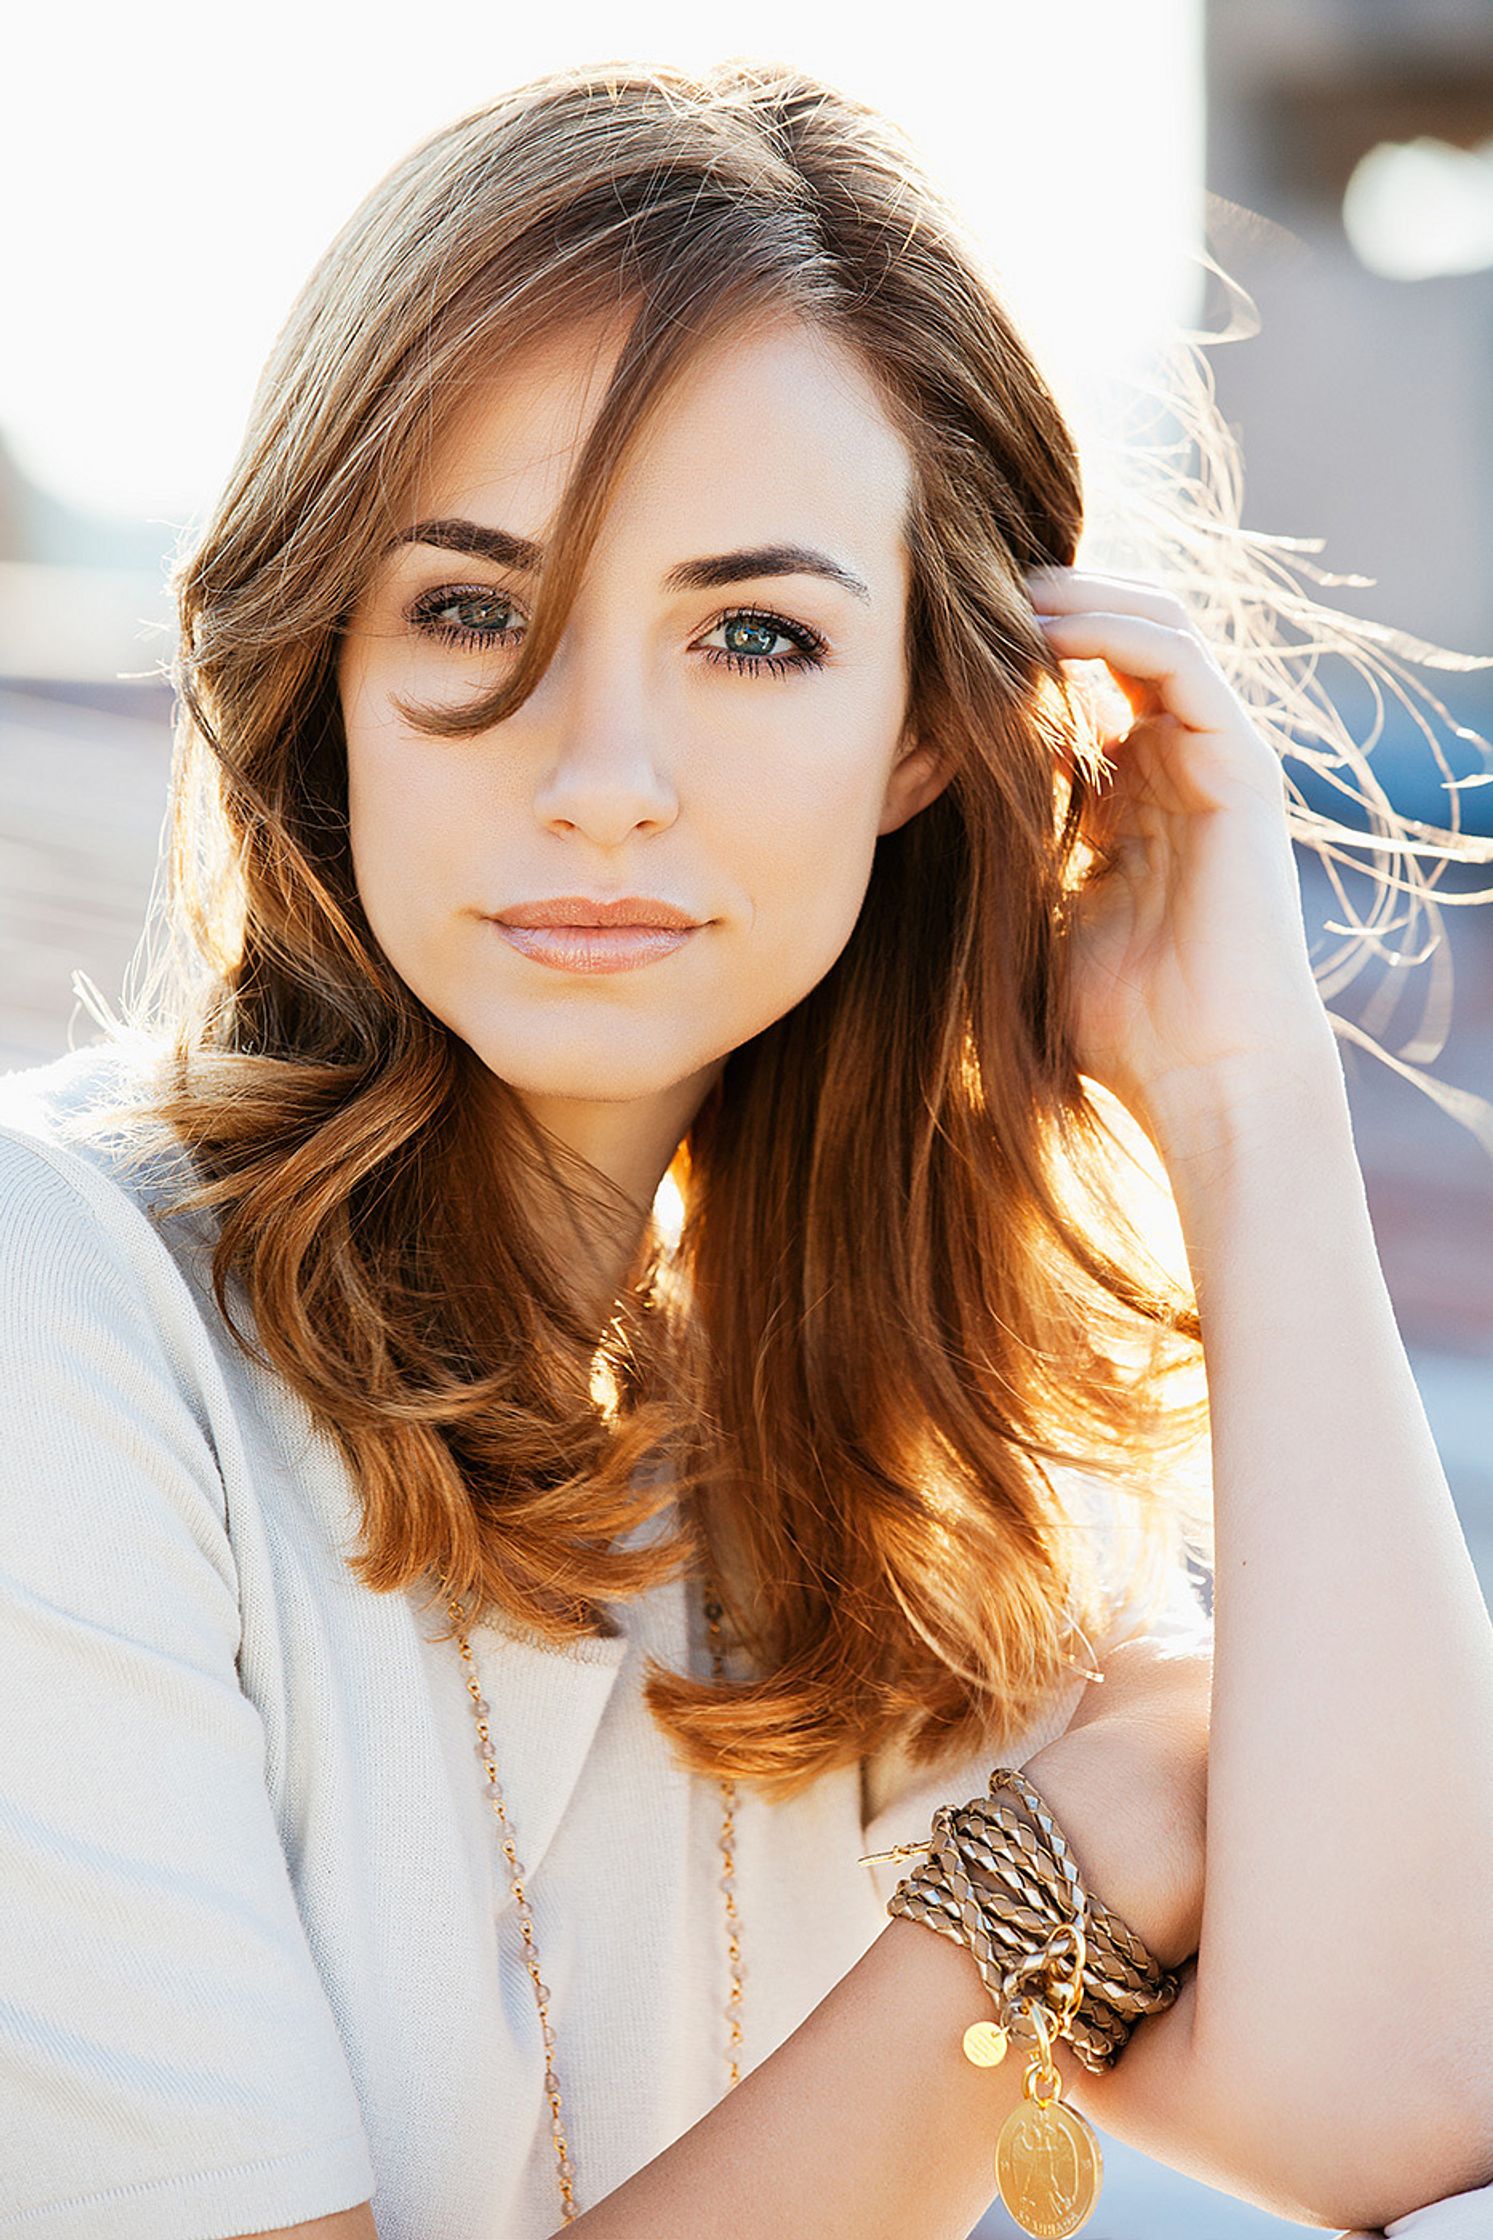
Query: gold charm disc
point(1048, 2167)
point(985, 2044)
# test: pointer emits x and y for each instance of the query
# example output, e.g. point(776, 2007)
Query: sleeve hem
point(1460, 2216)
point(246, 2197)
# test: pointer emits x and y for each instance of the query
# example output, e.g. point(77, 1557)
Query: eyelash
point(810, 655)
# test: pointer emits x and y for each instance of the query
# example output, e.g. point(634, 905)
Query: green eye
point(759, 629)
point(482, 610)
point(474, 615)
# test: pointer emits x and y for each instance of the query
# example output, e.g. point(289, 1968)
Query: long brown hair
point(905, 1305)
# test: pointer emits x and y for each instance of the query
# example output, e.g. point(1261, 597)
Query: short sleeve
point(1151, 1591)
point(1460, 2216)
point(1179, 1616)
point(170, 2067)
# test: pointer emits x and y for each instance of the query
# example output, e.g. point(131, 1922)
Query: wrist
point(1197, 1118)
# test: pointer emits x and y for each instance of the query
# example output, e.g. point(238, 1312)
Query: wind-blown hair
point(904, 1306)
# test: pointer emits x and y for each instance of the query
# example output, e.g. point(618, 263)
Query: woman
point(414, 1537)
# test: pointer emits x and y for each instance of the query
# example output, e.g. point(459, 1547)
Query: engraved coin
point(1048, 2168)
point(985, 2044)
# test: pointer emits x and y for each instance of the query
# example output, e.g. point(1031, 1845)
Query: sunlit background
point(170, 172)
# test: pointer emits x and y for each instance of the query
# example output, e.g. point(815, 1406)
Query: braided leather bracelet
point(1056, 1964)
point(993, 1882)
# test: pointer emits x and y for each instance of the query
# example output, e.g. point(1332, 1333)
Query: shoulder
point(71, 1177)
point(83, 1261)
point(112, 1335)
point(66, 1114)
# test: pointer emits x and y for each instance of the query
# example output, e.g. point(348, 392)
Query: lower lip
point(595, 948)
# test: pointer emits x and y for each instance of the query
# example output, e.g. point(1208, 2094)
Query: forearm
point(868, 2123)
point(1345, 1969)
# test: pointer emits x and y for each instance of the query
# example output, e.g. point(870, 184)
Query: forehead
point(773, 432)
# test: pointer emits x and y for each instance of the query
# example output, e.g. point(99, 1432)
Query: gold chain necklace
point(481, 1708)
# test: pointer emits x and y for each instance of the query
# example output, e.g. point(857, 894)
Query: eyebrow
point(526, 557)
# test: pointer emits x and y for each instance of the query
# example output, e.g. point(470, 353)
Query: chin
point(607, 1068)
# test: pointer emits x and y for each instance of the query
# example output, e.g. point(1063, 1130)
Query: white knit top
point(260, 1960)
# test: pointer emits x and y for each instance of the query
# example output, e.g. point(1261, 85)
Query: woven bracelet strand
point(1006, 1891)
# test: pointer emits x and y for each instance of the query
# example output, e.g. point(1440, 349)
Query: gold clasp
point(898, 1851)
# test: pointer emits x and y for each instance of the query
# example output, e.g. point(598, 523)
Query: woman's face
point(732, 746)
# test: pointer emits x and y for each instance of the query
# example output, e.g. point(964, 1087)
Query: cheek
point(798, 836)
point(411, 829)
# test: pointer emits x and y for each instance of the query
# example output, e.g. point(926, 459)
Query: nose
point(606, 772)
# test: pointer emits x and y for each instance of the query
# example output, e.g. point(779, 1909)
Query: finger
point(1071, 590)
point(1175, 661)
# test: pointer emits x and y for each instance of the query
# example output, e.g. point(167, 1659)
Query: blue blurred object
point(1402, 758)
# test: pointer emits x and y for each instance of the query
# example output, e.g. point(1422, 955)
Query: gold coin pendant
point(1048, 2166)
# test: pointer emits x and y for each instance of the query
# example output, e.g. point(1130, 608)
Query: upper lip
point(580, 910)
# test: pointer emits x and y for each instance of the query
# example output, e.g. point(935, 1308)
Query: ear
point(918, 777)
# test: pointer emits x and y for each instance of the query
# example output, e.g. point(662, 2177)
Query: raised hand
point(1190, 957)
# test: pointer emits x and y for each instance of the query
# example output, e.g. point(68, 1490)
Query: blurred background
point(171, 172)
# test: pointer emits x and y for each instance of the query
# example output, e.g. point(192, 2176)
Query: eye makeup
point(425, 616)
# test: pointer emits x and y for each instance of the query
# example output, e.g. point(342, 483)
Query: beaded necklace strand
point(482, 1710)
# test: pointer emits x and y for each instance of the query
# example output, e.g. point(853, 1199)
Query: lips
point(584, 910)
point(615, 948)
